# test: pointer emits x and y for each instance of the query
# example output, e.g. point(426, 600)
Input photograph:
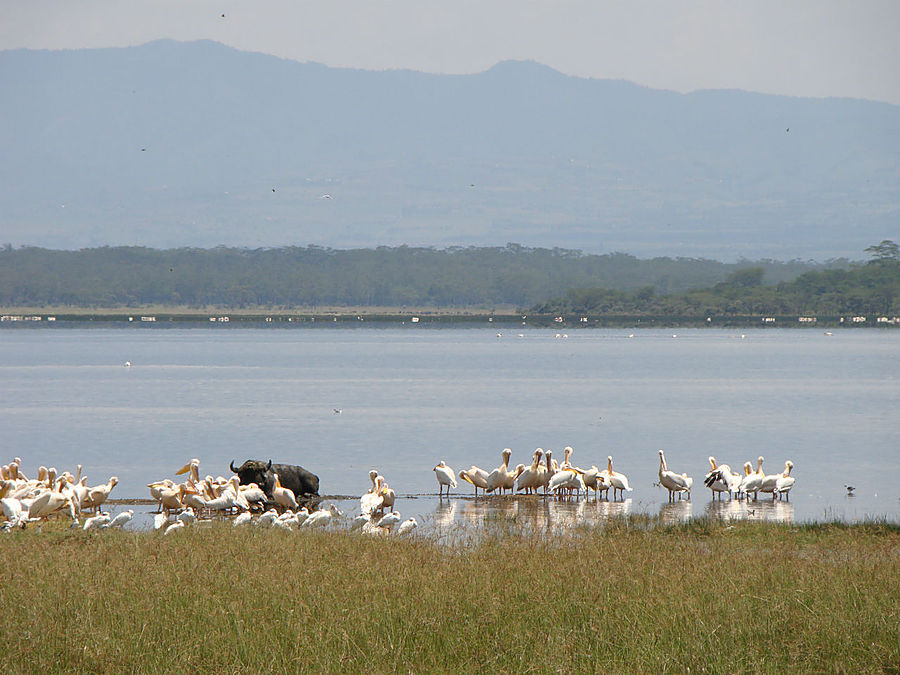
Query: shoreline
point(12, 317)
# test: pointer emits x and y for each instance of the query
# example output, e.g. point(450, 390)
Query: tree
point(885, 252)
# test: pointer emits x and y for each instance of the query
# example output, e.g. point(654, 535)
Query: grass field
point(627, 597)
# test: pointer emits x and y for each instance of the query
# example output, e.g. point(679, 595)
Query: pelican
point(595, 481)
point(752, 481)
point(283, 496)
point(51, 501)
point(193, 467)
point(387, 495)
point(768, 483)
point(476, 476)
point(498, 477)
point(444, 475)
point(566, 479)
point(160, 520)
point(407, 526)
point(617, 481)
point(372, 501)
point(546, 472)
point(719, 479)
point(98, 494)
point(241, 519)
point(784, 484)
point(673, 482)
point(529, 479)
point(156, 490)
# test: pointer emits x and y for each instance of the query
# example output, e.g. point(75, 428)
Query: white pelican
point(51, 501)
point(98, 494)
point(407, 526)
point(253, 494)
point(372, 501)
point(387, 495)
point(122, 518)
point(498, 477)
point(283, 496)
point(567, 452)
point(617, 481)
point(301, 515)
point(566, 479)
point(768, 483)
point(752, 480)
point(160, 520)
point(476, 476)
point(529, 479)
point(156, 490)
point(193, 467)
point(546, 472)
point(784, 484)
point(444, 475)
point(719, 479)
point(673, 482)
point(595, 481)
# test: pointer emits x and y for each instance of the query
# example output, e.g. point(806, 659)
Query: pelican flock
point(197, 500)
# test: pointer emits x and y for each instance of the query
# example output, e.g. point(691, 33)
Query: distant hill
point(197, 144)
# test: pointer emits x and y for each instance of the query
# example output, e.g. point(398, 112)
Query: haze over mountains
point(197, 144)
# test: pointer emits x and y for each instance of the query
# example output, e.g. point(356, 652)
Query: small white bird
point(407, 526)
point(850, 490)
point(267, 519)
point(322, 517)
point(360, 520)
point(160, 520)
point(174, 527)
point(97, 522)
point(241, 519)
point(186, 517)
point(122, 518)
point(388, 520)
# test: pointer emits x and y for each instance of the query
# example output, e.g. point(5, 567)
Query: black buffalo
point(297, 479)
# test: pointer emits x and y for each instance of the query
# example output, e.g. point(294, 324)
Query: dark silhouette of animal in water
point(298, 480)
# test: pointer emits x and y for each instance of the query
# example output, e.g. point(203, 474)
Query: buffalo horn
point(270, 465)
point(231, 466)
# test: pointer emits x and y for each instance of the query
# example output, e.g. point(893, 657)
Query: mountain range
point(173, 144)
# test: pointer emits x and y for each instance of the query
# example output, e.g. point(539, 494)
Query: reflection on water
point(777, 511)
point(445, 516)
point(672, 513)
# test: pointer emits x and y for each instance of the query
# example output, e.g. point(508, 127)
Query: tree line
point(870, 288)
point(311, 276)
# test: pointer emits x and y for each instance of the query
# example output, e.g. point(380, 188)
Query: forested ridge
point(871, 288)
point(513, 276)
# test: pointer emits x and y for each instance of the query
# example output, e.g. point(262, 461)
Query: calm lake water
point(411, 396)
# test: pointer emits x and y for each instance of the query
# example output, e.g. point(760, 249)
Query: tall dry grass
point(703, 597)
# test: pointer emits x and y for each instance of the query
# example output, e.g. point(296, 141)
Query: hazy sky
point(795, 47)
